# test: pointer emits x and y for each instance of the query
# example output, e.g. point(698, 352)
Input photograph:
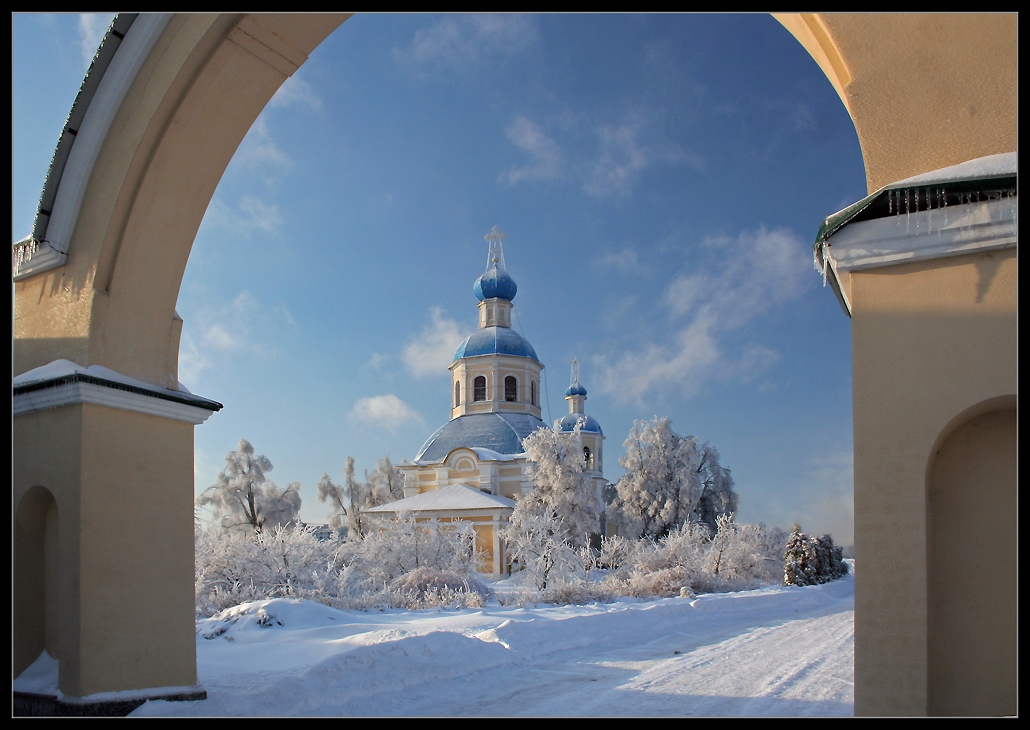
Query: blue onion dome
point(575, 390)
point(568, 423)
point(495, 284)
point(495, 341)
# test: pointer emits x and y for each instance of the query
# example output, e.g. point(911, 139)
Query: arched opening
point(479, 389)
point(532, 392)
point(511, 389)
point(36, 546)
point(457, 394)
point(588, 457)
point(971, 573)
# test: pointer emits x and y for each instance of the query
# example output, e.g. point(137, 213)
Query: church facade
point(473, 468)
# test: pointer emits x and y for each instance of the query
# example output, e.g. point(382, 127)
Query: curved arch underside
point(924, 91)
point(195, 96)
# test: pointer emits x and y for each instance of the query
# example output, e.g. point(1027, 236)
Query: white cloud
point(92, 27)
point(429, 354)
point(387, 411)
point(463, 41)
point(296, 90)
point(756, 271)
point(545, 156)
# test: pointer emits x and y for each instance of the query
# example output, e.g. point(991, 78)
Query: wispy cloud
point(624, 260)
point(259, 149)
point(296, 90)
point(623, 158)
point(221, 331)
point(92, 27)
point(545, 158)
point(250, 215)
point(624, 153)
point(463, 42)
point(704, 307)
point(387, 411)
point(432, 350)
point(376, 361)
point(619, 165)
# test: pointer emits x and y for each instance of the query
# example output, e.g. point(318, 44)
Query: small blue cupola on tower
point(576, 395)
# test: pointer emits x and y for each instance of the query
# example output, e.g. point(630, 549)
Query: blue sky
point(660, 179)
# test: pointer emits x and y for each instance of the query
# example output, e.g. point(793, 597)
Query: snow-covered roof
point(454, 497)
point(973, 176)
point(501, 433)
point(939, 200)
point(1005, 164)
point(495, 341)
point(495, 284)
point(569, 421)
point(60, 371)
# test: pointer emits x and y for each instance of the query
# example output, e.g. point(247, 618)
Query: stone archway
point(971, 531)
point(107, 297)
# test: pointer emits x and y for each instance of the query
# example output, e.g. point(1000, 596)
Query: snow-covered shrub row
point(402, 564)
point(688, 560)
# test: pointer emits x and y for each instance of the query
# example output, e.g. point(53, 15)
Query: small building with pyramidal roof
point(473, 467)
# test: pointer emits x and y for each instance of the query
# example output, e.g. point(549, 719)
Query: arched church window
point(588, 458)
point(457, 394)
point(511, 389)
point(479, 388)
point(532, 392)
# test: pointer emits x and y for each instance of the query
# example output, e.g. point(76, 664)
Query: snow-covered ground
point(770, 652)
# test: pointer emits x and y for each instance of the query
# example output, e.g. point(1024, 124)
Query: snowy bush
point(540, 552)
point(434, 588)
point(811, 560)
point(234, 567)
point(690, 560)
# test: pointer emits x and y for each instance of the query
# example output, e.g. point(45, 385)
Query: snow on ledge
point(64, 382)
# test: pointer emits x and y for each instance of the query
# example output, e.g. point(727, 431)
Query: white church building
point(473, 468)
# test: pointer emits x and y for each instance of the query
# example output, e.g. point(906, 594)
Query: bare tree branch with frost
point(244, 498)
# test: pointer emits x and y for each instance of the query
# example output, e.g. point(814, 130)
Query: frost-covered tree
point(540, 550)
point(243, 498)
point(670, 480)
point(661, 487)
point(562, 492)
point(717, 495)
point(386, 482)
point(353, 497)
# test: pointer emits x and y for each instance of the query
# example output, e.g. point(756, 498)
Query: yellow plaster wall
point(126, 606)
point(925, 90)
point(930, 340)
